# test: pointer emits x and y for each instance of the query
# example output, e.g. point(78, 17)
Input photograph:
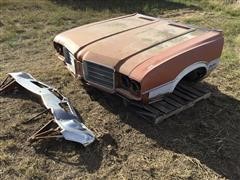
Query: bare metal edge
point(66, 118)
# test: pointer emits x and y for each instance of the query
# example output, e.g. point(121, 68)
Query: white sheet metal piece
point(64, 114)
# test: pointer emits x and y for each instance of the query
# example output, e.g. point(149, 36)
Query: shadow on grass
point(209, 131)
point(71, 153)
point(152, 7)
point(65, 151)
point(75, 154)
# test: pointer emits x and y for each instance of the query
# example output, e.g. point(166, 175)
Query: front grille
point(98, 74)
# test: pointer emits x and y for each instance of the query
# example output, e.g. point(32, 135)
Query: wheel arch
point(169, 86)
point(186, 71)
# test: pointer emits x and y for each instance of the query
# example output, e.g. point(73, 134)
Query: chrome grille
point(98, 74)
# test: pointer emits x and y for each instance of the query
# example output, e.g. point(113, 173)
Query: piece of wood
point(161, 107)
point(172, 102)
point(178, 99)
point(190, 104)
point(183, 97)
point(186, 92)
point(192, 90)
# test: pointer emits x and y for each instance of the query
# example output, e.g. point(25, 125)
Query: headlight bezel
point(59, 48)
point(126, 83)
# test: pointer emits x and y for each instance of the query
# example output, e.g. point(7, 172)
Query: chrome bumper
point(64, 114)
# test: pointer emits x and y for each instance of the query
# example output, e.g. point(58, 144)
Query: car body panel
point(79, 37)
point(151, 51)
point(173, 60)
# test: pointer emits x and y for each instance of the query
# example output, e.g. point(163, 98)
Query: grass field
point(200, 143)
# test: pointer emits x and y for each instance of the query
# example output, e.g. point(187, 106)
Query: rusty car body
point(137, 56)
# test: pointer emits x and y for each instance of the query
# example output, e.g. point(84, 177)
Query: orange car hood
point(126, 42)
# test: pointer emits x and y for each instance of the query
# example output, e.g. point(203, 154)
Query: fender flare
point(170, 86)
point(187, 70)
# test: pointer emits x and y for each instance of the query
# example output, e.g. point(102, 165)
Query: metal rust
point(154, 54)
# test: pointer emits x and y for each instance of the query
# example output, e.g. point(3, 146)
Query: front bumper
point(64, 114)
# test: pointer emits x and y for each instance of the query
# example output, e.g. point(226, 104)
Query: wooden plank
point(172, 102)
point(186, 92)
point(151, 109)
point(176, 98)
point(183, 96)
point(144, 107)
point(147, 109)
point(167, 105)
point(160, 107)
point(148, 114)
point(156, 99)
point(190, 89)
point(190, 104)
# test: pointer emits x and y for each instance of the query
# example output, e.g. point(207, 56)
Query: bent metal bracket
point(65, 122)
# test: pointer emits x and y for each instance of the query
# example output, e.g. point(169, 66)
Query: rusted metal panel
point(156, 53)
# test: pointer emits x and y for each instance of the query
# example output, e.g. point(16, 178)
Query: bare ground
point(200, 143)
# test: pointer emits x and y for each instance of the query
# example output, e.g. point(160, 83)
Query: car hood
point(126, 42)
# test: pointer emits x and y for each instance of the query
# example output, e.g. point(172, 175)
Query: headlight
point(129, 84)
point(58, 47)
point(125, 81)
point(135, 86)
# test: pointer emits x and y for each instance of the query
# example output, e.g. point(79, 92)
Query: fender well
point(186, 71)
point(170, 85)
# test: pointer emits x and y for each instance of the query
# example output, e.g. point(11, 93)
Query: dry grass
point(201, 143)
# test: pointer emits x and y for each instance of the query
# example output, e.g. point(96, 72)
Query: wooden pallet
point(184, 96)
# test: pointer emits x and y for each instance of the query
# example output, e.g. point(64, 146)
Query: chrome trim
point(64, 116)
point(102, 74)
